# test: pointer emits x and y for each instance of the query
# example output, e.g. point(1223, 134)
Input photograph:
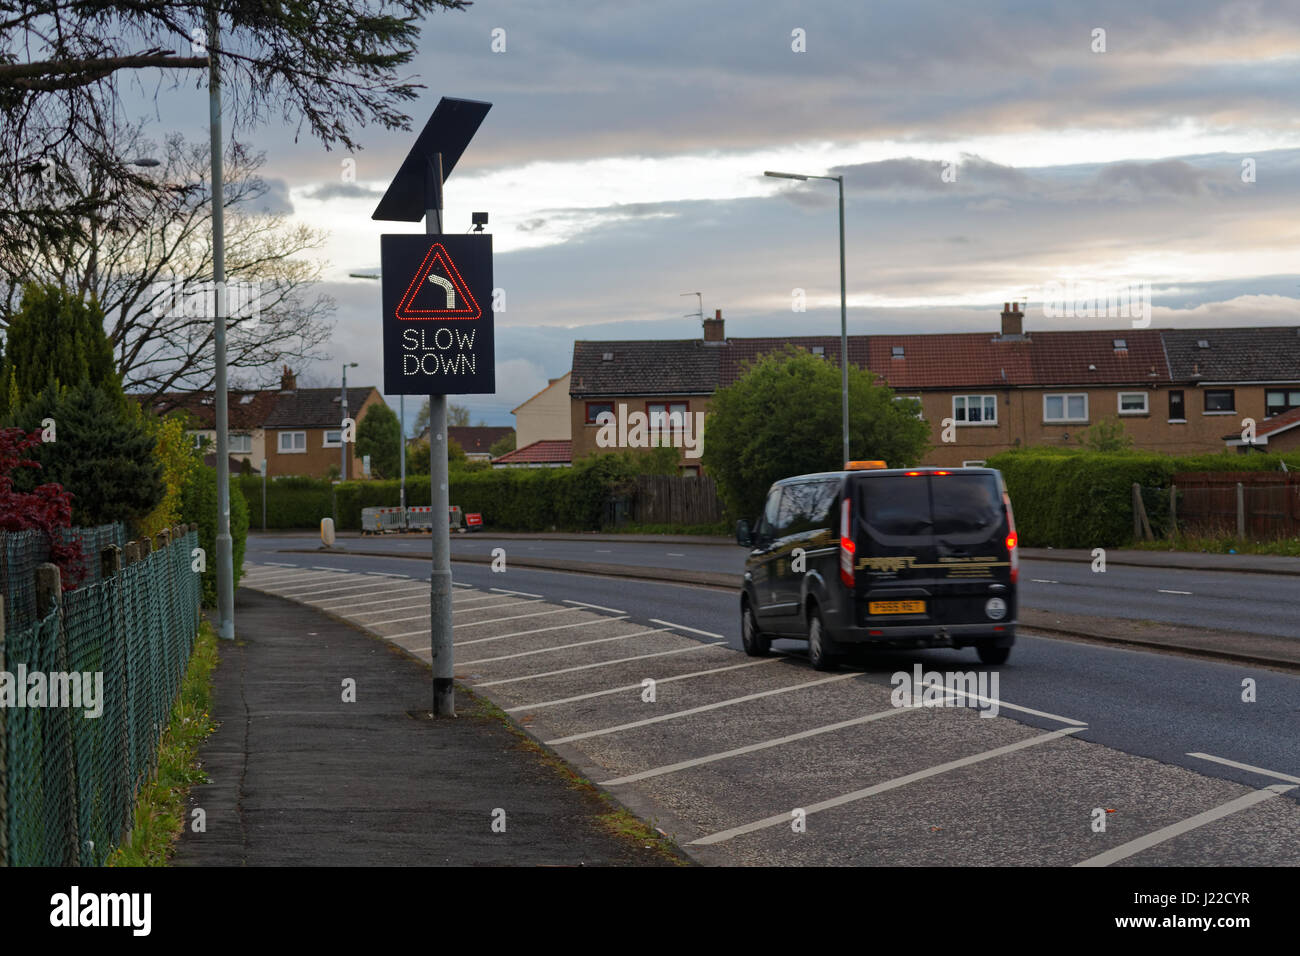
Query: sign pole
point(441, 652)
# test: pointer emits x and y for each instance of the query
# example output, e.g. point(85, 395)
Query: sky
point(988, 151)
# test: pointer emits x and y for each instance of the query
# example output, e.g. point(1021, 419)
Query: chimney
point(288, 382)
point(713, 328)
point(1013, 320)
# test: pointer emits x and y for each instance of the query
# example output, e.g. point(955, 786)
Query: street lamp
point(401, 419)
point(343, 444)
point(844, 311)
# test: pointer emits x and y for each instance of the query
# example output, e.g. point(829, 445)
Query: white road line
point(683, 627)
point(278, 577)
point(277, 564)
point(387, 574)
point(598, 607)
point(489, 607)
point(536, 630)
point(789, 738)
point(400, 620)
point(513, 617)
point(701, 709)
point(604, 551)
point(1245, 766)
point(1244, 802)
point(393, 637)
point(674, 554)
point(1165, 591)
point(404, 607)
point(319, 567)
point(784, 818)
point(638, 685)
point(397, 594)
point(558, 647)
point(971, 695)
point(1043, 581)
point(298, 592)
point(519, 593)
point(587, 667)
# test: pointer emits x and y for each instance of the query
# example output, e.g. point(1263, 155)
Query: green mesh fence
point(67, 780)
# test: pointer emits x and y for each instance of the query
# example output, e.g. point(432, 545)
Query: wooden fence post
point(49, 597)
point(1173, 510)
point(1241, 511)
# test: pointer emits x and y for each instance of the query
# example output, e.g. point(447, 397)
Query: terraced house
point(1178, 391)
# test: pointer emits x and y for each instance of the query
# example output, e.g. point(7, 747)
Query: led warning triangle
point(437, 291)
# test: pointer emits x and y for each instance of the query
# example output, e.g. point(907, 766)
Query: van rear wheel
point(821, 652)
point(756, 643)
point(989, 654)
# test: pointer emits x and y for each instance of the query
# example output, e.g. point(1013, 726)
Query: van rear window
point(899, 505)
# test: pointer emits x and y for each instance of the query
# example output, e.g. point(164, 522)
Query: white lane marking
point(397, 594)
point(400, 620)
point(558, 647)
point(702, 708)
point(586, 667)
point(537, 630)
point(1245, 766)
point(338, 588)
point(604, 551)
point(598, 607)
point(675, 554)
point(278, 564)
point(519, 593)
point(971, 695)
point(639, 686)
point(493, 597)
point(1244, 802)
point(386, 574)
point(784, 818)
point(394, 637)
point(1166, 591)
point(1043, 581)
point(514, 617)
point(319, 567)
point(281, 577)
point(776, 742)
point(387, 610)
point(683, 627)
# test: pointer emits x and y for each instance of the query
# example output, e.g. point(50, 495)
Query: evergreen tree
point(379, 436)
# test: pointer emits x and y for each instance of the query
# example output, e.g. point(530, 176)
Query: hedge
point(1081, 499)
point(510, 499)
point(199, 505)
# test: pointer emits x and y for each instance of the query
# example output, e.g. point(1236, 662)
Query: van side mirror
point(743, 534)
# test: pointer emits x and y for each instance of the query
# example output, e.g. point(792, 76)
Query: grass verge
point(160, 805)
point(1223, 544)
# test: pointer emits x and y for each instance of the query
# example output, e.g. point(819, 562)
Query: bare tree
point(145, 254)
point(331, 66)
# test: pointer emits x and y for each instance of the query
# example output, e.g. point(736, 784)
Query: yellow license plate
point(896, 607)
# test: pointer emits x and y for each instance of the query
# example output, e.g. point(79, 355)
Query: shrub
point(199, 505)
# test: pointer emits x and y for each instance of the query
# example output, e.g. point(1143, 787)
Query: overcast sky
point(622, 165)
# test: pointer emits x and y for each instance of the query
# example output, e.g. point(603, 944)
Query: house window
point(896, 352)
point(241, 444)
point(1220, 401)
point(1065, 407)
point(666, 416)
point(595, 408)
point(1133, 403)
point(293, 443)
point(1176, 411)
point(333, 438)
point(1277, 402)
point(916, 400)
point(975, 409)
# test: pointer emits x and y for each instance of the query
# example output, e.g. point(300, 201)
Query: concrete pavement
point(301, 776)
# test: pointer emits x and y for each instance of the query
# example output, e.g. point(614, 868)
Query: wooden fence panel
point(674, 499)
point(1207, 503)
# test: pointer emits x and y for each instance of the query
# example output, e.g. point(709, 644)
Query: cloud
point(1169, 177)
point(275, 200)
point(342, 190)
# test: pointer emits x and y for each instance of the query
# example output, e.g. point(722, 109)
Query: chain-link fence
point(21, 552)
point(110, 657)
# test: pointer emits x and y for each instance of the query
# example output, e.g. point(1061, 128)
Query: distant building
point(1173, 389)
point(477, 440)
point(538, 454)
point(546, 416)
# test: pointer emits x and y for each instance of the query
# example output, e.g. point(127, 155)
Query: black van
point(885, 557)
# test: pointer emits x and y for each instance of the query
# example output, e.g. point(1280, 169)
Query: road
point(1136, 730)
point(1225, 600)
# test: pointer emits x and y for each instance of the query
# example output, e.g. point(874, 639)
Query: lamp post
point(343, 435)
point(844, 311)
point(401, 423)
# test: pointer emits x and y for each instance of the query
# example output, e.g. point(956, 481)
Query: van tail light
point(846, 543)
point(1013, 539)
